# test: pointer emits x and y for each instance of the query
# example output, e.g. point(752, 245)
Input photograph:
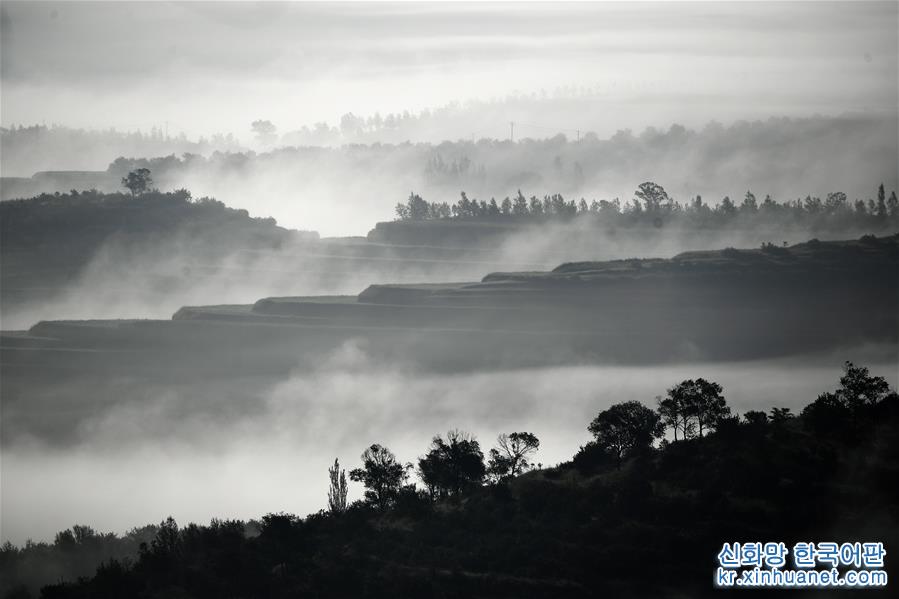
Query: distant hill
point(89, 217)
point(46, 241)
point(52, 181)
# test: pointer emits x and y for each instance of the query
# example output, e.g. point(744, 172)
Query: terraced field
point(723, 305)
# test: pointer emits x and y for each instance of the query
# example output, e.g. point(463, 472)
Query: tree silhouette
point(727, 207)
point(859, 389)
point(779, 415)
point(706, 404)
point(653, 196)
point(893, 205)
point(167, 543)
point(381, 474)
point(626, 428)
point(852, 405)
point(338, 490)
point(415, 208)
point(138, 181)
point(755, 418)
point(696, 405)
point(750, 205)
point(881, 209)
point(520, 205)
point(510, 458)
point(673, 413)
point(264, 131)
point(452, 465)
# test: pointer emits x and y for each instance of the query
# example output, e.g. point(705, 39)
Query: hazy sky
point(216, 66)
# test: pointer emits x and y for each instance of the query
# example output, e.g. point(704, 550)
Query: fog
point(297, 64)
point(343, 192)
point(248, 447)
point(346, 190)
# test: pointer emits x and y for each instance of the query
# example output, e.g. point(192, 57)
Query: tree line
point(27, 149)
point(455, 464)
point(651, 204)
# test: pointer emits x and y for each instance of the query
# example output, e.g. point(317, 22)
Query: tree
point(699, 404)
point(673, 413)
point(834, 202)
point(167, 542)
point(881, 210)
point(705, 404)
point(264, 131)
point(338, 490)
point(415, 208)
point(452, 465)
point(827, 414)
point(779, 415)
point(750, 205)
point(83, 533)
point(351, 124)
point(859, 389)
point(138, 181)
point(626, 428)
point(510, 458)
point(520, 205)
point(727, 207)
point(845, 410)
point(653, 196)
point(381, 474)
point(755, 418)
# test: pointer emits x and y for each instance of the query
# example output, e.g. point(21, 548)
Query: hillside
point(714, 304)
point(717, 305)
point(651, 527)
point(63, 255)
point(47, 241)
point(94, 255)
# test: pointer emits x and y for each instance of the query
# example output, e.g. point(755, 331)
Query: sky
point(205, 67)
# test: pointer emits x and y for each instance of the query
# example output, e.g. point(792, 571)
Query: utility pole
point(512, 131)
point(579, 135)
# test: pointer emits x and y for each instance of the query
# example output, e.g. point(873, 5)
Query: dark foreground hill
point(587, 528)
